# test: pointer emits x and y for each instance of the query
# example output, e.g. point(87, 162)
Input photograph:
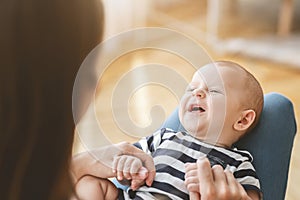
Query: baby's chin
point(196, 133)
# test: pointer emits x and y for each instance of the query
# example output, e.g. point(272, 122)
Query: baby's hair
point(254, 93)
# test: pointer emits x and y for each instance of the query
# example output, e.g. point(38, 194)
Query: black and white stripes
point(171, 150)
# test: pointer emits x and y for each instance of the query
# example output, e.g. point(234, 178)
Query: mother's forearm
point(99, 162)
point(85, 164)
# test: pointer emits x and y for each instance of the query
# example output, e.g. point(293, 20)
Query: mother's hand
point(206, 182)
point(99, 162)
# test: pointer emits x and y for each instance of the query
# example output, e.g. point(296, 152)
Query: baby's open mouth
point(197, 108)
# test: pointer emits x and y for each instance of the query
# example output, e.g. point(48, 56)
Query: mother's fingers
point(149, 164)
point(219, 177)
point(218, 173)
point(228, 186)
point(215, 183)
point(207, 186)
point(236, 188)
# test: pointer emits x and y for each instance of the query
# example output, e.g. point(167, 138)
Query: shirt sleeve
point(150, 143)
point(247, 177)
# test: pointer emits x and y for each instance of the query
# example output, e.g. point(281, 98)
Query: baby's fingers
point(191, 177)
point(192, 184)
point(190, 167)
point(131, 167)
point(190, 171)
point(119, 166)
point(135, 165)
point(125, 166)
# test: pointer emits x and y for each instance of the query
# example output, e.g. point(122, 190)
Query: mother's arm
point(99, 162)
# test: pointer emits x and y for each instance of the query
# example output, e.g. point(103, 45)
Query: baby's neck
point(221, 140)
point(219, 144)
point(213, 142)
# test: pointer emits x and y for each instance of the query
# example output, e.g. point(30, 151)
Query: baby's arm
point(130, 171)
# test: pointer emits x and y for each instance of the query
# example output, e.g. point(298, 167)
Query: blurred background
point(262, 36)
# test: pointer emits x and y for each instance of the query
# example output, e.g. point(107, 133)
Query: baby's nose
point(199, 92)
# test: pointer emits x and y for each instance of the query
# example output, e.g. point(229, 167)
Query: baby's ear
point(245, 120)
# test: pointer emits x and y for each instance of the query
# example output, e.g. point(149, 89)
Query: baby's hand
point(191, 177)
point(130, 168)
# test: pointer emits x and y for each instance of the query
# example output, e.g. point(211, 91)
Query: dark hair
point(42, 46)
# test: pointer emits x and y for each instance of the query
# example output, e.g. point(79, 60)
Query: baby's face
point(211, 102)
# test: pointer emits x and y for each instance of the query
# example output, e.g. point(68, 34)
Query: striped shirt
point(171, 150)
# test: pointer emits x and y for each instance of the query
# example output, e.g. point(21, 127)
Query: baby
point(222, 103)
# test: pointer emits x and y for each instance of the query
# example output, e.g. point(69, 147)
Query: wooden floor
point(116, 94)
